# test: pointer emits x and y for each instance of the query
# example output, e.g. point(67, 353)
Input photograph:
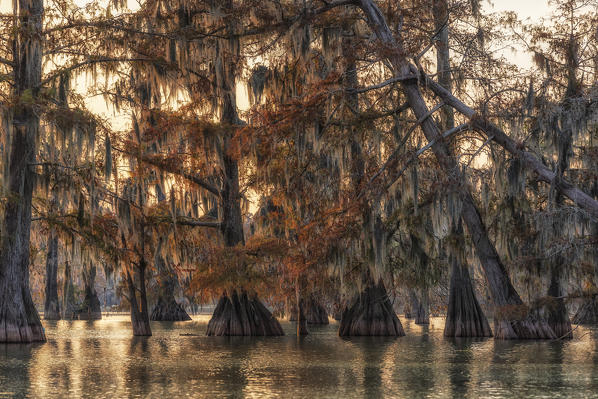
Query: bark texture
point(371, 314)
point(465, 317)
point(240, 315)
point(19, 319)
point(315, 313)
point(549, 318)
point(51, 304)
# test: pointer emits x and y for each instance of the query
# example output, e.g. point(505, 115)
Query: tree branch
point(56, 74)
point(483, 125)
point(186, 175)
point(184, 221)
point(383, 84)
point(404, 140)
point(7, 62)
point(425, 148)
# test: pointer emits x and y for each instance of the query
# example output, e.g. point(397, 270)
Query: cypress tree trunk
point(314, 312)
point(91, 307)
point(167, 308)
point(68, 295)
point(420, 306)
point(139, 313)
point(235, 315)
point(302, 323)
point(465, 317)
point(19, 319)
point(510, 321)
point(549, 315)
point(51, 304)
point(371, 314)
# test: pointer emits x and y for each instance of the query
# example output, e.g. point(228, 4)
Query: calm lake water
point(101, 359)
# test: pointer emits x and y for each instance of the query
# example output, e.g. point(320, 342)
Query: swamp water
point(100, 359)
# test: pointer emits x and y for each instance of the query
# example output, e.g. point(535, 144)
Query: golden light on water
point(102, 357)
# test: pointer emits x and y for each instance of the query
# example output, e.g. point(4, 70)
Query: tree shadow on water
point(373, 358)
point(15, 361)
point(459, 368)
point(138, 367)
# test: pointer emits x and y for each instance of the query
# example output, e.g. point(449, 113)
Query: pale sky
point(533, 9)
point(526, 10)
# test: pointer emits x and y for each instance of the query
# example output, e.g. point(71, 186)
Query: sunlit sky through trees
point(533, 10)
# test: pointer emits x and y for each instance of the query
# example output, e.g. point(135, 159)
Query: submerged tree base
point(315, 313)
point(371, 315)
point(91, 308)
point(550, 312)
point(587, 312)
point(242, 316)
point(302, 323)
point(547, 319)
point(20, 322)
point(168, 310)
point(465, 317)
point(14, 333)
point(141, 328)
point(53, 313)
point(84, 315)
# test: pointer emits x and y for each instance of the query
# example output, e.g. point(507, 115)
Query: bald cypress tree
point(19, 320)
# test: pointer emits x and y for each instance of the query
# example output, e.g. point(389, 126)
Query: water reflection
point(138, 369)
point(375, 365)
point(459, 369)
point(102, 359)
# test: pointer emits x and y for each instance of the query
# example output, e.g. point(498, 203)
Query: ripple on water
point(101, 359)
